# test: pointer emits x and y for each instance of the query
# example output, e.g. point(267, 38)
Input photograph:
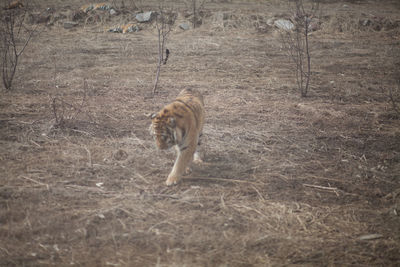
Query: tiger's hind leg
point(197, 157)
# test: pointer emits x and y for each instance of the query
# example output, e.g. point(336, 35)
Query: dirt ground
point(286, 180)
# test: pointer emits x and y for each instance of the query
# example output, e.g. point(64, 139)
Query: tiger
point(180, 124)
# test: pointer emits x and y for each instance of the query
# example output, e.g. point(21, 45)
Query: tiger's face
point(163, 130)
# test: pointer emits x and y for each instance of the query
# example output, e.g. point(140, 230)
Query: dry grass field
point(286, 180)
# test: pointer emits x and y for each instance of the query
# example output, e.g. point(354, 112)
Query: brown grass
point(286, 180)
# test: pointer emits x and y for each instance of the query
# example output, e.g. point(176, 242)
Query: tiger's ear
point(172, 122)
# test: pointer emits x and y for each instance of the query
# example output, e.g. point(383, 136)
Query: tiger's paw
point(188, 171)
point(198, 161)
point(172, 180)
point(197, 158)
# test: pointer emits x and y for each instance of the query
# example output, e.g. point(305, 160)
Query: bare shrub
point(297, 44)
point(394, 97)
point(195, 6)
point(14, 38)
point(132, 4)
point(65, 112)
point(164, 22)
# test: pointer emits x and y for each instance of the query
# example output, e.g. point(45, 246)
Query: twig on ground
point(301, 222)
point(225, 180)
point(223, 201)
point(82, 132)
point(89, 157)
point(111, 117)
point(142, 178)
point(36, 144)
point(258, 192)
point(5, 250)
point(333, 189)
point(87, 188)
point(320, 187)
point(33, 180)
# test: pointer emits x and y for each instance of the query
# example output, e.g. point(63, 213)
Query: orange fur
point(180, 124)
point(15, 4)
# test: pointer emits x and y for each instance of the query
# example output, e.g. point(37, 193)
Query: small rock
point(366, 22)
point(113, 12)
point(144, 17)
point(270, 22)
point(184, 26)
point(284, 24)
point(45, 18)
point(70, 24)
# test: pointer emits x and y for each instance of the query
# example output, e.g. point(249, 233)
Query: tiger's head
point(163, 130)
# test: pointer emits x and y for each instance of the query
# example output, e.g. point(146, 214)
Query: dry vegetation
point(286, 180)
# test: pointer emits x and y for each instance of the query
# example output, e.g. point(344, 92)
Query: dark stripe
point(178, 115)
point(183, 108)
point(189, 107)
point(181, 149)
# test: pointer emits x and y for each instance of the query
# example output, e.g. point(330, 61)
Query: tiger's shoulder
point(190, 94)
point(190, 104)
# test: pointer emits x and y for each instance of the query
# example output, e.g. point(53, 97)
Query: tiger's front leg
point(183, 160)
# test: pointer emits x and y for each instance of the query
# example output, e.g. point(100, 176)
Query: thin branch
point(11, 29)
point(33, 180)
point(297, 45)
point(395, 103)
point(321, 187)
point(225, 180)
point(163, 25)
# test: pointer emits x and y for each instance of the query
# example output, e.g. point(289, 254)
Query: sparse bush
point(164, 22)
point(65, 112)
point(394, 97)
point(14, 38)
point(297, 44)
point(195, 6)
point(133, 4)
